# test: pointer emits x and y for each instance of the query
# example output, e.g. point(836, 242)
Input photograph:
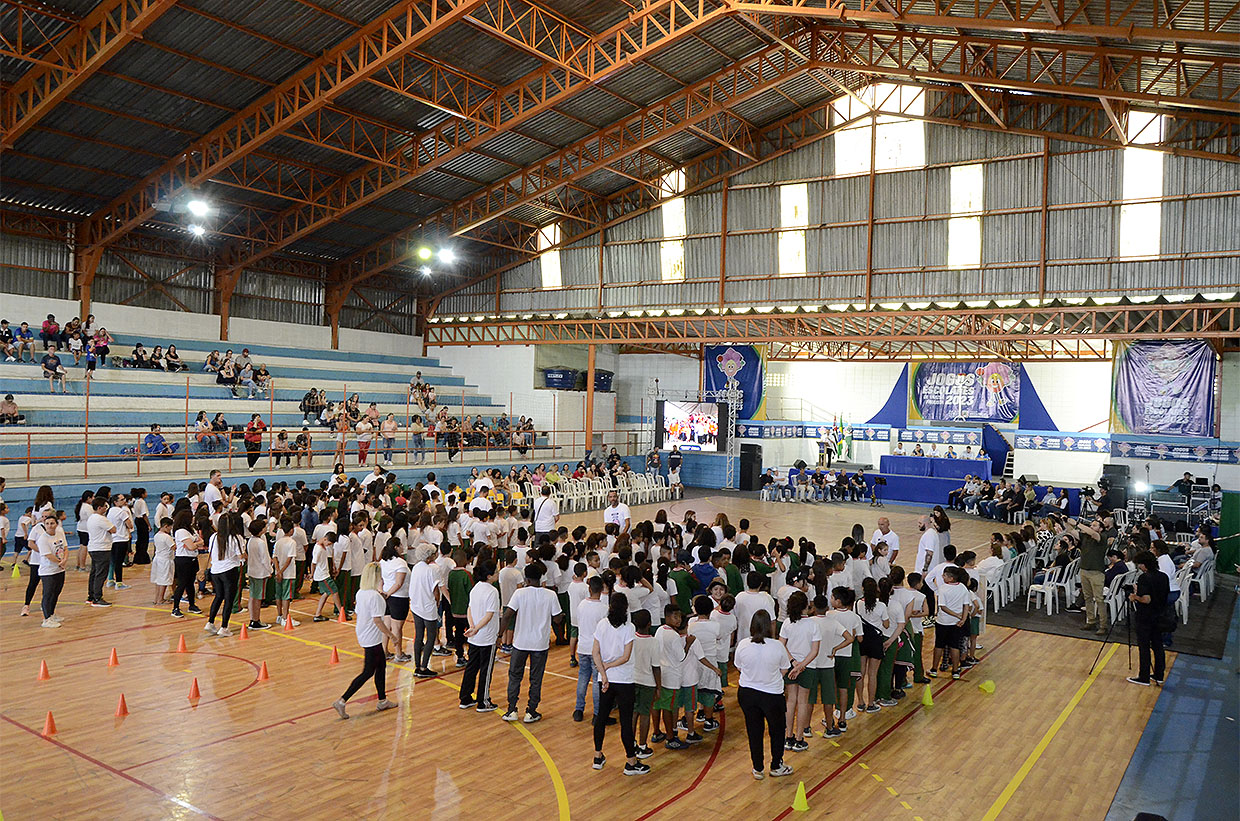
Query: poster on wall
point(964, 392)
point(747, 365)
point(1163, 388)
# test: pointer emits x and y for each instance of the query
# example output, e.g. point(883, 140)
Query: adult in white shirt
point(546, 514)
point(929, 553)
point(214, 491)
point(884, 533)
point(99, 530)
point(53, 551)
point(617, 512)
point(899, 451)
point(425, 591)
point(374, 476)
point(226, 548)
point(370, 609)
point(531, 611)
point(762, 661)
point(613, 658)
point(394, 572)
point(483, 615)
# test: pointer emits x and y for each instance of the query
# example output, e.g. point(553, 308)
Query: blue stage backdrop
point(747, 365)
point(1163, 388)
point(964, 392)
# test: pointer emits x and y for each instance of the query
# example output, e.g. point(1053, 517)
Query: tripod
point(1122, 614)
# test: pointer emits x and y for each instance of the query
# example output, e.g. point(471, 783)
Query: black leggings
point(33, 583)
point(375, 665)
point(225, 591)
point(621, 695)
point(762, 711)
point(52, 585)
point(184, 569)
point(120, 552)
point(251, 452)
point(457, 625)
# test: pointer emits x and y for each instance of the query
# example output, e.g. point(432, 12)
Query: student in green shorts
point(258, 571)
point(920, 610)
point(460, 582)
point(799, 636)
point(645, 677)
point(832, 639)
point(321, 572)
point(847, 658)
point(284, 569)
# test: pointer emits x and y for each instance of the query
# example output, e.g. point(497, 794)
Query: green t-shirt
point(459, 585)
point(735, 583)
point(686, 584)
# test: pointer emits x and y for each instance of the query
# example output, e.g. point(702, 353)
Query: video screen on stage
point(699, 426)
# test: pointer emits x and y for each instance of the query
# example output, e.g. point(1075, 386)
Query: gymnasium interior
point(806, 263)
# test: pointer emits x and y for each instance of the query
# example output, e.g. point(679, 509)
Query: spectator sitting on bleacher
point(50, 332)
point(155, 445)
point(157, 358)
point(220, 425)
point(24, 341)
point(951, 453)
point(262, 378)
point(173, 361)
point(304, 445)
point(899, 451)
point(140, 358)
point(71, 327)
point(310, 406)
point(8, 412)
point(75, 346)
point(282, 448)
point(212, 363)
point(243, 360)
point(353, 409)
point(89, 327)
point(934, 451)
point(227, 374)
point(53, 370)
point(6, 341)
point(202, 432)
point(245, 379)
point(857, 486)
point(103, 346)
point(917, 451)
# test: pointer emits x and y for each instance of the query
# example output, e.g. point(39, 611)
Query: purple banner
point(1163, 388)
point(964, 392)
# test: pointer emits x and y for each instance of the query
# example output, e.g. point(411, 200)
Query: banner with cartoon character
point(747, 365)
point(1163, 388)
point(964, 392)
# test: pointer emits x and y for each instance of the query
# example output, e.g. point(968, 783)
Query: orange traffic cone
point(43, 674)
point(194, 695)
point(181, 645)
point(122, 709)
point(49, 726)
point(245, 634)
point(335, 659)
point(262, 672)
point(113, 661)
point(288, 623)
point(342, 617)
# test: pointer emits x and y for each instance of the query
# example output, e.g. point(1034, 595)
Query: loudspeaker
point(751, 466)
point(799, 464)
point(1115, 471)
point(1029, 477)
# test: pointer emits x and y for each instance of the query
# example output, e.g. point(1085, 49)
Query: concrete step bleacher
point(125, 402)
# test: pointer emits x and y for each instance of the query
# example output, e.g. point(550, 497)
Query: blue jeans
point(387, 448)
point(586, 676)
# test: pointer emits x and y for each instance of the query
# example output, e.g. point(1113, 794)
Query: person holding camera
point(1094, 536)
point(1149, 600)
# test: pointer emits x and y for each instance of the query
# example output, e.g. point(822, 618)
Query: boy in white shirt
point(832, 638)
point(709, 682)
point(323, 574)
point(751, 601)
point(285, 569)
point(724, 605)
point(577, 590)
point(645, 658)
point(257, 571)
point(847, 657)
point(952, 617)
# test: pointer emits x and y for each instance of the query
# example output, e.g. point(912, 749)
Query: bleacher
point(124, 402)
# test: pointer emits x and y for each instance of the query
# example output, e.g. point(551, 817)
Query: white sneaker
point(109, 583)
point(121, 586)
point(280, 620)
point(223, 632)
point(56, 618)
point(781, 770)
point(50, 623)
point(210, 628)
point(296, 623)
point(850, 715)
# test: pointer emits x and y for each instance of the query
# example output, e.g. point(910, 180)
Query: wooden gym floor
point(1051, 742)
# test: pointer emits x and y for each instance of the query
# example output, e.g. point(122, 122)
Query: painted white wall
point(854, 390)
point(1060, 468)
point(1229, 398)
point(635, 373)
point(351, 339)
point(1077, 395)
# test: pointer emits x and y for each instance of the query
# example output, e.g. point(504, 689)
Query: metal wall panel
point(702, 258)
point(1012, 184)
point(835, 249)
point(1088, 176)
point(910, 244)
point(1211, 225)
point(753, 254)
point(703, 212)
point(900, 194)
point(753, 208)
point(1191, 175)
point(118, 283)
point(840, 200)
point(1082, 233)
point(1011, 238)
point(579, 266)
point(949, 144)
point(278, 298)
point(28, 266)
point(643, 226)
point(678, 294)
point(631, 262)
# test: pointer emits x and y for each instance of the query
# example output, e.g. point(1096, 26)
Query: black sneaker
point(465, 705)
point(319, 618)
point(177, 614)
point(195, 609)
point(532, 716)
point(599, 761)
point(1135, 680)
point(637, 768)
point(579, 715)
point(644, 752)
point(100, 603)
point(424, 673)
point(694, 738)
point(487, 707)
point(658, 738)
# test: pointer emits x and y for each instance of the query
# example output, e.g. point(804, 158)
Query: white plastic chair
point(1183, 576)
point(1068, 582)
point(1203, 580)
point(995, 592)
point(1046, 591)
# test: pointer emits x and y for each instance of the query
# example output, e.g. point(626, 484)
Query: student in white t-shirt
point(750, 601)
point(227, 549)
point(323, 573)
point(762, 661)
point(99, 530)
point(709, 683)
point(531, 611)
point(53, 552)
point(578, 590)
point(370, 610)
point(426, 589)
point(483, 615)
point(831, 639)
point(800, 635)
point(395, 589)
point(613, 657)
point(258, 569)
point(284, 567)
point(162, 560)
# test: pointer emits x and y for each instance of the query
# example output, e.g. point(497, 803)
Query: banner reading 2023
point(964, 392)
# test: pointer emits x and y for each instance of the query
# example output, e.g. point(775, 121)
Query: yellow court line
point(1047, 737)
point(561, 793)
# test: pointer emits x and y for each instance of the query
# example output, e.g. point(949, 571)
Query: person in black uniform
point(1149, 599)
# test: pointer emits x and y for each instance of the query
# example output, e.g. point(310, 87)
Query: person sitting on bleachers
point(262, 380)
point(76, 347)
point(857, 487)
point(899, 451)
point(310, 406)
point(103, 345)
point(157, 358)
point(245, 379)
point(955, 498)
point(303, 445)
point(212, 363)
point(50, 332)
point(8, 412)
point(934, 451)
point(282, 448)
point(1053, 502)
point(203, 434)
point(243, 360)
point(353, 409)
point(73, 326)
point(23, 340)
point(981, 453)
point(155, 445)
point(6, 341)
point(220, 425)
point(173, 363)
point(968, 452)
point(917, 451)
point(951, 453)
point(53, 370)
point(140, 358)
point(327, 416)
point(227, 374)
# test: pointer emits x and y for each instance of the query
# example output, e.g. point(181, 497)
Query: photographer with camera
point(1149, 599)
point(1095, 535)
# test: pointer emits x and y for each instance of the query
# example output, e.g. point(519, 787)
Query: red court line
point(710, 762)
point(857, 757)
point(179, 802)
